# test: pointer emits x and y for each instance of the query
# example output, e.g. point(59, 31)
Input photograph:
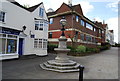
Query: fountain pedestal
point(61, 63)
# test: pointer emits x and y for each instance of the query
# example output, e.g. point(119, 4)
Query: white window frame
point(2, 17)
point(41, 12)
point(40, 43)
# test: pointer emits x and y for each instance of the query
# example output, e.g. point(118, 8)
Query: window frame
point(2, 17)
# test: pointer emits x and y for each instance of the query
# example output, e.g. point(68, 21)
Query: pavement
point(103, 65)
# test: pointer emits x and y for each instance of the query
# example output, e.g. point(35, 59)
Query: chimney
point(70, 2)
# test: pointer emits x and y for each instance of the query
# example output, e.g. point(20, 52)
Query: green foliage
point(81, 49)
point(26, 5)
point(51, 47)
point(95, 50)
point(71, 48)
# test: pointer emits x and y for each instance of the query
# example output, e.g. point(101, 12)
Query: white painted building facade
point(23, 31)
point(109, 36)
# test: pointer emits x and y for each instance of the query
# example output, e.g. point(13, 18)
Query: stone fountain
point(61, 63)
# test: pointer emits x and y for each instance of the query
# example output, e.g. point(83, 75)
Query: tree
point(26, 5)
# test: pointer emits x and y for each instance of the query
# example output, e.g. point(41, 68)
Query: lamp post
point(63, 23)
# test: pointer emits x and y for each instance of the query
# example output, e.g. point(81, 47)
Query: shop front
point(9, 41)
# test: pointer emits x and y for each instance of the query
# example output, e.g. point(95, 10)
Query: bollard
point(81, 68)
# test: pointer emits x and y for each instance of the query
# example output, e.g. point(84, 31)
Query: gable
point(64, 8)
point(78, 9)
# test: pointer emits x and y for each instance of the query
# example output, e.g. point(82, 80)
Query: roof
point(74, 7)
point(111, 31)
point(104, 25)
point(99, 24)
point(30, 9)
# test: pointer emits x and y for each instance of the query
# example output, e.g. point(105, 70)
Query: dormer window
point(41, 12)
point(2, 16)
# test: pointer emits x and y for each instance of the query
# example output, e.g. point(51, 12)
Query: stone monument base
point(54, 65)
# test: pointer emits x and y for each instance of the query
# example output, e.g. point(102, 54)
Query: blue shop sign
point(10, 31)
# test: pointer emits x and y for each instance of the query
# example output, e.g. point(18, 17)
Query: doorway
point(20, 50)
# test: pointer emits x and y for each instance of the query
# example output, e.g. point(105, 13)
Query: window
point(102, 32)
point(82, 36)
point(40, 43)
point(39, 25)
point(11, 46)
point(94, 40)
point(88, 38)
point(89, 26)
point(82, 22)
point(99, 31)
point(2, 16)
point(41, 13)
point(76, 35)
point(77, 18)
point(51, 20)
point(36, 25)
point(45, 26)
point(35, 43)
point(8, 44)
point(94, 29)
point(44, 43)
point(50, 35)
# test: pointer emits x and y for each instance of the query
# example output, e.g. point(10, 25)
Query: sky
point(98, 10)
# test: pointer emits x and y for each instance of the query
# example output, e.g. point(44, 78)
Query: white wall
point(17, 17)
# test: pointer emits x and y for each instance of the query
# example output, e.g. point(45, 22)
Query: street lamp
point(63, 23)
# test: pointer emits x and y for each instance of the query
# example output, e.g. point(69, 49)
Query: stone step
point(70, 63)
point(58, 70)
point(61, 67)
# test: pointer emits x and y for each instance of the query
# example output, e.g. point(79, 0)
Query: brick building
point(79, 28)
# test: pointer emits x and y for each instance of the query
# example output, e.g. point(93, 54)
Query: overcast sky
point(99, 10)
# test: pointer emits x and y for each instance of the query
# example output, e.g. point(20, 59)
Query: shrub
point(81, 49)
point(95, 50)
point(51, 47)
point(72, 49)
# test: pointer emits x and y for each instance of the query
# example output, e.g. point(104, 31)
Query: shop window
point(11, 46)
point(2, 16)
point(2, 45)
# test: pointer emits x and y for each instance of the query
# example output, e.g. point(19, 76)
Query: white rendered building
point(109, 36)
point(23, 31)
